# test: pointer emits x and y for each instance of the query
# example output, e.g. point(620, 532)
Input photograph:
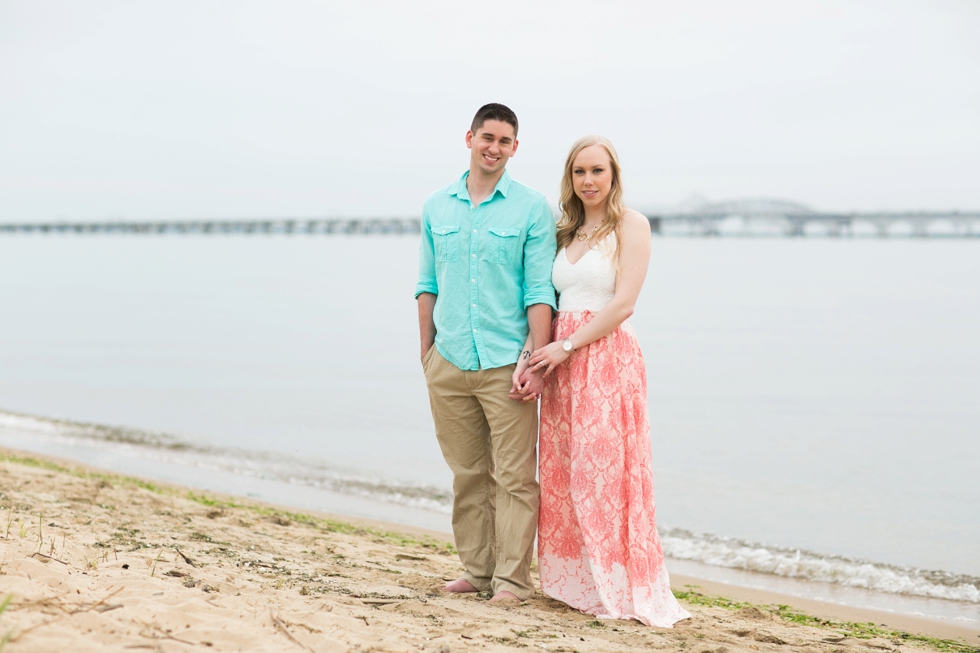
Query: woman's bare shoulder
point(635, 221)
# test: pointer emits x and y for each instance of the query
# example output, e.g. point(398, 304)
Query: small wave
point(796, 563)
point(264, 465)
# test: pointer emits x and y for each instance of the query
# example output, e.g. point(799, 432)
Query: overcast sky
point(270, 109)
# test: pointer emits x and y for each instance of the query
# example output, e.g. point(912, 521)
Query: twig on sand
point(48, 601)
point(45, 558)
point(380, 601)
point(23, 632)
point(285, 631)
point(95, 606)
point(186, 559)
point(159, 633)
point(107, 608)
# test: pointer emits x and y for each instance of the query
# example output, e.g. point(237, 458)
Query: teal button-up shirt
point(486, 263)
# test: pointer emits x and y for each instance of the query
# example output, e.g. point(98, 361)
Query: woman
point(598, 548)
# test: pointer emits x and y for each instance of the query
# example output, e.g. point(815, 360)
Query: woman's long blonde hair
point(572, 209)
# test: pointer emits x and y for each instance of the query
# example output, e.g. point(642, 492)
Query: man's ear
point(514, 151)
point(469, 139)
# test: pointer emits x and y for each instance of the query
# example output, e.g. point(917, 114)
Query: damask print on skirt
point(598, 547)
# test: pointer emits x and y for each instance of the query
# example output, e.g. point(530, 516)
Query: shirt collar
point(460, 191)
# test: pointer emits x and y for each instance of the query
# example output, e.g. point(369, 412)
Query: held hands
point(528, 380)
point(545, 360)
point(527, 385)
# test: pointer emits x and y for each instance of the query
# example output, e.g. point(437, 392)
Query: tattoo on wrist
point(525, 354)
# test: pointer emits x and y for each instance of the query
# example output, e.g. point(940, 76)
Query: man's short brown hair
point(494, 111)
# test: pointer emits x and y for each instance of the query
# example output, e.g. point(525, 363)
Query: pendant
point(581, 235)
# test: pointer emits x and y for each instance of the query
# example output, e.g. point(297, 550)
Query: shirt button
point(473, 255)
point(475, 330)
point(474, 305)
point(474, 231)
point(472, 280)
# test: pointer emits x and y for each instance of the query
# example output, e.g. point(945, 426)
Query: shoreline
point(894, 586)
point(73, 556)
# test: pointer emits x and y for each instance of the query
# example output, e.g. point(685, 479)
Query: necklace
point(581, 235)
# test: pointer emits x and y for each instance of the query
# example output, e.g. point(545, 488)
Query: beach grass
point(857, 630)
point(3, 608)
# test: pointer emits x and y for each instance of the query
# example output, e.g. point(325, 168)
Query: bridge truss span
point(761, 217)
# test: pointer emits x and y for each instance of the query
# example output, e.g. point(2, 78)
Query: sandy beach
point(93, 561)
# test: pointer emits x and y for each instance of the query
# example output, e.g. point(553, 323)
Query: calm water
point(819, 395)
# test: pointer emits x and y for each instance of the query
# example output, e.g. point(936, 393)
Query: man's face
point(493, 143)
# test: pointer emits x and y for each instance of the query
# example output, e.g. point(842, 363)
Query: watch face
point(567, 345)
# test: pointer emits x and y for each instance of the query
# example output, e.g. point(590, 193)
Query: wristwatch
point(566, 344)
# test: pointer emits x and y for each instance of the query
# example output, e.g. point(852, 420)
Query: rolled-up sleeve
point(539, 256)
point(427, 260)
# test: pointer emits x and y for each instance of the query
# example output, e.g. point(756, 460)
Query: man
point(485, 302)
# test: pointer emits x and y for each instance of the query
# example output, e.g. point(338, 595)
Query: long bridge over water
point(770, 217)
point(740, 218)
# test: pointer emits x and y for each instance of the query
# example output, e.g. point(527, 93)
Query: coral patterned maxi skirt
point(598, 547)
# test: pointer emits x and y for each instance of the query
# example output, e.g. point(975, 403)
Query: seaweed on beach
point(856, 630)
point(283, 516)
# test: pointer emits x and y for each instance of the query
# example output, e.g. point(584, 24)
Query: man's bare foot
point(459, 586)
point(505, 597)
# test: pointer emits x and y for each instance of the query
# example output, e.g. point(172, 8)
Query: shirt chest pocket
point(445, 241)
point(504, 244)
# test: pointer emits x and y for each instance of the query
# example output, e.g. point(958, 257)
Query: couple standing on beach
point(488, 276)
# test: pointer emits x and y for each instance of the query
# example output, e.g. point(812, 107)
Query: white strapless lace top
point(589, 284)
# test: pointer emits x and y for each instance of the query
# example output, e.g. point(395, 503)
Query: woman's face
point(592, 176)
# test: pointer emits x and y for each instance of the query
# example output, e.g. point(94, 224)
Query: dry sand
point(97, 562)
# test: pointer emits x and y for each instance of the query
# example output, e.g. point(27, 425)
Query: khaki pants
point(489, 442)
